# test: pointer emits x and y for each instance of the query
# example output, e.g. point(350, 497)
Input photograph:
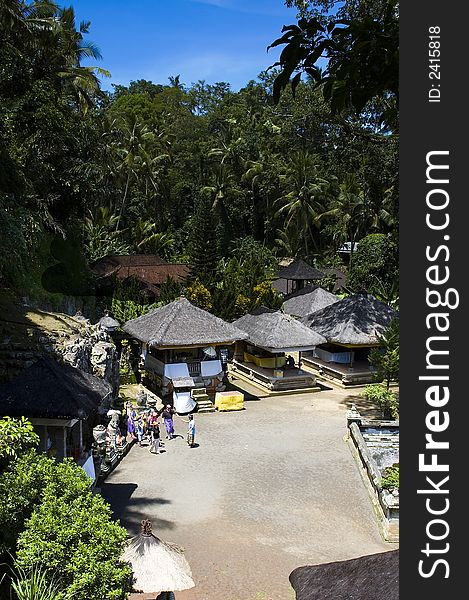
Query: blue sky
point(214, 40)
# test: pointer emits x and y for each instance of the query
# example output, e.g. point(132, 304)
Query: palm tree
point(351, 211)
point(139, 158)
point(303, 204)
point(146, 237)
point(81, 83)
point(100, 239)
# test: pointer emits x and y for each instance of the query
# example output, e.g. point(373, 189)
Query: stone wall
point(385, 503)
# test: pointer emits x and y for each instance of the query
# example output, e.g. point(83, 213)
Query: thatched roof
point(299, 270)
point(308, 300)
point(371, 577)
point(157, 566)
point(180, 323)
point(277, 332)
point(51, 390)
point(108, 323)
point(359, 320)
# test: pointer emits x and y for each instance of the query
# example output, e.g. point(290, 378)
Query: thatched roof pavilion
point(157, 566)
point(108, 323)
point(180, 323)
point(358, 320)
point(277, 332)
point(57, 398)
point(299, 270)
point(308, 300)
point(371, 577)
point(50, 390)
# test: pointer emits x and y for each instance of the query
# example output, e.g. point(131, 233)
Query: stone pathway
point(267, 489)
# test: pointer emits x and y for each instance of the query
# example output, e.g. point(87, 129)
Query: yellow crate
point(229, 401)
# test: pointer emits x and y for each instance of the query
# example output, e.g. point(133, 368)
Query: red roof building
point(148, 269)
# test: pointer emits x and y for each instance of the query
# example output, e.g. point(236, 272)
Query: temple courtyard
point(267, 489)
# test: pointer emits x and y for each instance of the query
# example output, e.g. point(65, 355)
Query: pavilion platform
point(358, 374)
point(274, 381)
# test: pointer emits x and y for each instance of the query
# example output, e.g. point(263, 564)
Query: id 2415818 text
point(434, 53)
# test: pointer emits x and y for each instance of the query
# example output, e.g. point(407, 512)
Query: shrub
point(385, 359)
point(22, 487)
point(49, 512)
point(76, 540)
point(16, 437)
point(386, 400)
point(35, 585)
point(390, 480)
point(199, 295)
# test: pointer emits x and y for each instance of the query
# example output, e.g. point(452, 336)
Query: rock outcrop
point(27, 334)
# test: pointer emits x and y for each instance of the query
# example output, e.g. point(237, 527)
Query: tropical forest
point(144, 228)
point(228, 182)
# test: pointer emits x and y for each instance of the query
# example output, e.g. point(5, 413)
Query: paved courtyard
point(268, 489)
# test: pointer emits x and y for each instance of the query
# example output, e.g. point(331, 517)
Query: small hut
point(308, 300)
point(351, 327)
point(157, 566)
point(296, 274)
point(371, 577)
point(107, 323)
point(180, 340)
point(61, 402)
point(262, 358)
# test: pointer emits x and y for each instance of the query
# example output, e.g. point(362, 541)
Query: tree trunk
point(123, 201)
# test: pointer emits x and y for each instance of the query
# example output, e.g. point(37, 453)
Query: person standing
point(168, 421)
point(191, 431)
point(131, 427)
point(154, 430)
point(140, 430)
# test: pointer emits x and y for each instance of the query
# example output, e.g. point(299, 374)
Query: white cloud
point(219, 3)
point(208, 66)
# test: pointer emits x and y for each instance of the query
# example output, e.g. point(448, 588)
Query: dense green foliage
point(375, 267)
point(385, 359)
point(35, 584)
point(172, 170)
point(390, 480)
point(16, 437)
point(359, 41)
point(51, 519)
point(385, 399)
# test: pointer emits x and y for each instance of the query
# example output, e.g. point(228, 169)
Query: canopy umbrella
point(157, 566)
point(210, 351)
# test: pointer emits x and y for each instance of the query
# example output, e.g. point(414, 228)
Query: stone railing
point(385, 503)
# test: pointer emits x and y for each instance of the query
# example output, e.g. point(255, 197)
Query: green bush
point(16, 437)
point(375, 265)
point(76, 538)
point(390, 480)
point(49, 513)
point(23, 485)
point(386, 400)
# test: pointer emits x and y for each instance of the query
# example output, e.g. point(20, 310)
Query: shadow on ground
point(365, 407)
point(131, 510)
point(248, 396)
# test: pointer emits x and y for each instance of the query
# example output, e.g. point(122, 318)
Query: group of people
point(145, 425)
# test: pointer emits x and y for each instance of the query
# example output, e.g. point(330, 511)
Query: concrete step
point(204, 405)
